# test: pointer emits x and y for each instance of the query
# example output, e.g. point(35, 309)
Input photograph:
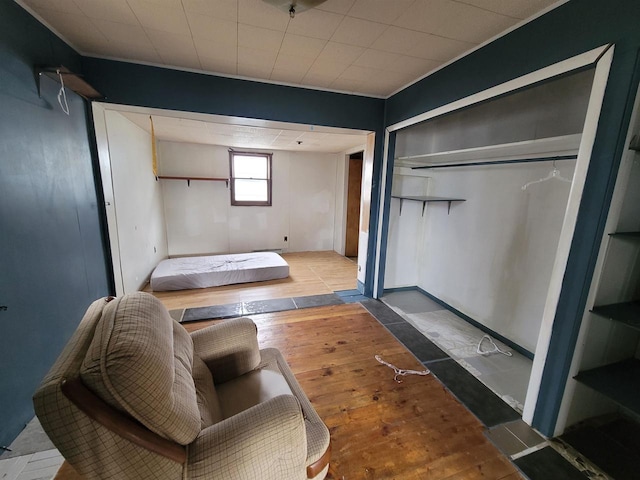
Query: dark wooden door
point(354, 188)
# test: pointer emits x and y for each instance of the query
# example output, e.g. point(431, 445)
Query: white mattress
point(201, 272)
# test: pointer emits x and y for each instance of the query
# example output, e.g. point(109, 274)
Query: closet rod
point(498, 162)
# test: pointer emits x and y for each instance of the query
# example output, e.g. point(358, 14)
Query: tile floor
point(233, 310)
point(32, 456)
point(35, 466)
point(508, 377)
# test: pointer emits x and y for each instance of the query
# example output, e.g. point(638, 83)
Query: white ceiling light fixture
point(294, 6)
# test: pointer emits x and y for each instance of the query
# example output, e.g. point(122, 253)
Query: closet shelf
point(627, 313)
point(543, 147)
point(618, 381)
point(189, 179)
point(630, 235)
point(427, 199)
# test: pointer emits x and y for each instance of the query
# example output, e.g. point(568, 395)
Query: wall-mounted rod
point(499, 162)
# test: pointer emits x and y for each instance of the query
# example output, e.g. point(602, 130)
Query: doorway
point(354, 191)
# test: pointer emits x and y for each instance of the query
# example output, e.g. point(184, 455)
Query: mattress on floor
point(212, 271)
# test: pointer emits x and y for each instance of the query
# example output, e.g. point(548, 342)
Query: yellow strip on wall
point(154, 155)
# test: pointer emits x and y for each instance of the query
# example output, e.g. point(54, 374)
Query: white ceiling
point(243, 132)
point(370, 47)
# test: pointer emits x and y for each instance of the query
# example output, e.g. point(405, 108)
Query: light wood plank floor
point(310, 273)
point(380, 429)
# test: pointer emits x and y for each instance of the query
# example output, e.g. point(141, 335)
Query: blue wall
point(573, 28)
point(52, 254)
point(141, 85)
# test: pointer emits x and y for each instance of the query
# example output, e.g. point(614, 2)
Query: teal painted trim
point(468, 319)
point(607, 153)
point(360, 287)
point(384, 238)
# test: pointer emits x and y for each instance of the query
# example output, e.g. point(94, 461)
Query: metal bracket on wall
point(426, 200)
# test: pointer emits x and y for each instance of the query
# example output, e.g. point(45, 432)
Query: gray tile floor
point(508, 377)
point(32, 456)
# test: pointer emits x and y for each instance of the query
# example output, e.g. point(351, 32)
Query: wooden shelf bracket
point(189, 179)
point(73, 81)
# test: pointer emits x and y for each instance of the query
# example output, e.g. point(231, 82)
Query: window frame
point(250, 203)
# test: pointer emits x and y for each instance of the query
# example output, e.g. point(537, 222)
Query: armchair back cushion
point(140, 362)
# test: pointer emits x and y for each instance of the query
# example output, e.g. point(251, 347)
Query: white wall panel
point(201, 220)
point(138, 201)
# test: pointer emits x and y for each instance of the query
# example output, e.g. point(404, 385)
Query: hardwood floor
point(310, 273)
point(380, 429)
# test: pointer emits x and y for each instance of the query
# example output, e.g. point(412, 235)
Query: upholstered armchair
point(134, 396)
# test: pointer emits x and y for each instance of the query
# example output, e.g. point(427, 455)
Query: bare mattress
point(212, 271)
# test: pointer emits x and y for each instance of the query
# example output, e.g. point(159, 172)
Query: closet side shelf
point(427, 199)
point(189, 179)
point(617, 381)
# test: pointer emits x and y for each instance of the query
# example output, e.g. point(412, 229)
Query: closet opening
point(483, 196)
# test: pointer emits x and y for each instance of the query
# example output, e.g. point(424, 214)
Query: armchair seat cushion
point(251, 389)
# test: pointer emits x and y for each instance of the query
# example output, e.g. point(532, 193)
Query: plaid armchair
point(134, 396)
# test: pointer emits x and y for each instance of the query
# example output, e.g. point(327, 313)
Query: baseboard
point(521, 350)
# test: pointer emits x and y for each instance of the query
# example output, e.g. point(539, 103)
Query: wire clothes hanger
point(494, 348)
point(553, 174)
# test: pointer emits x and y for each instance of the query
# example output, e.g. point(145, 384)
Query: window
point(250, 178)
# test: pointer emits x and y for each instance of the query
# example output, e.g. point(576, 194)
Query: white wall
point(200, 218)
point(492, 256)
point(405, 242)
point(138, 201)
point(340, 221)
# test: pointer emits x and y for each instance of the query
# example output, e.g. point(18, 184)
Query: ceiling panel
point(326, 47)
point(175, 49)
point(253, 56)
point(315, 23)
point(354, 31)
point(259, 38)
point(64, 6)
point(254, 71)
point(212, 52)
point(340, 53)
point(301, 46)
point(520, 9)
point(327, 68)
point(114, 11)
point(381, 11)
point(450, 19)
point(246, 136)
point(337, 6)
point(259, 14)
point(165, 19)
point(223, 9)
point(212, 28)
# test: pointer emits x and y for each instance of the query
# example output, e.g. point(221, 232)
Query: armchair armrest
point(229, 349)
point(265, 441)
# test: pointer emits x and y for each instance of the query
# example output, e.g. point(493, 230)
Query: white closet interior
point(489, 252)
